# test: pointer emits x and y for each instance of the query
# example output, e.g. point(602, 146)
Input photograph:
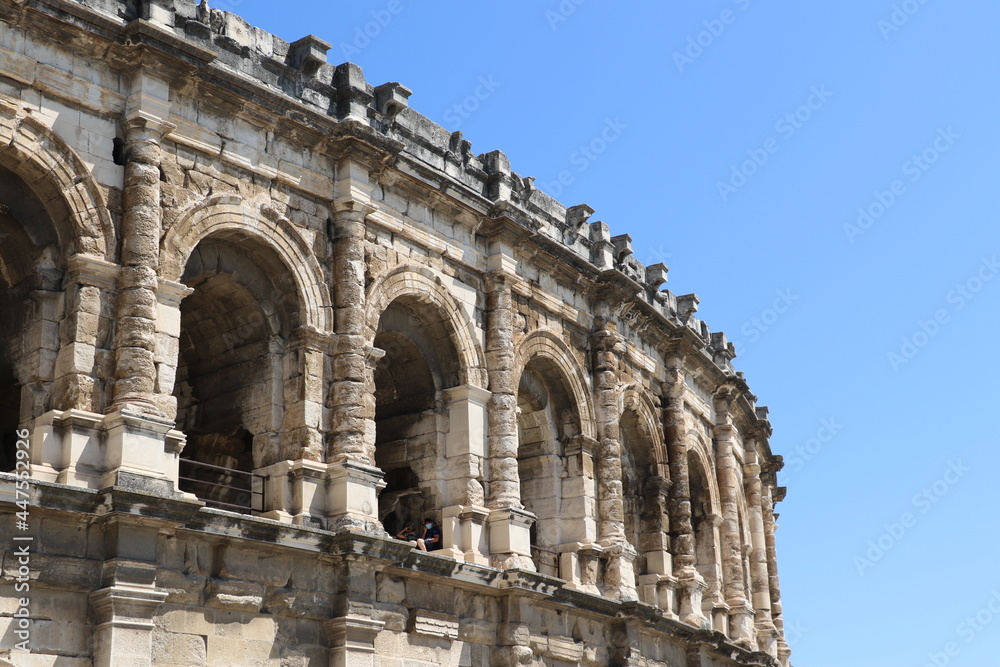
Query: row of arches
point(234, 367)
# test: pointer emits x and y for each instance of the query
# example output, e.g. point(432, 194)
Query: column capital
point(92, 271)
point(467, 392)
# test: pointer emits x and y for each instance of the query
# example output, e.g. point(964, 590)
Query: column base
point(94, 451)
point(464, 535)
point(619, 574)
point(659, 590)
point(352, 497)
point(510, 538)
point(691, 589)
point(578, 565)
point(295, 492)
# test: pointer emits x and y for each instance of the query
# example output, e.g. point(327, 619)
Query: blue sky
point(823, 176)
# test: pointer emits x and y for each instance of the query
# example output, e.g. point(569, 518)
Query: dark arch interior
point(229, 377)
point(29, 261)
point(420, 361)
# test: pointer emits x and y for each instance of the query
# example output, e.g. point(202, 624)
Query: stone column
point(296, 479)
point(691, 586)
point(734, 588)
point(352, 640)
point(761, 594)
point(352, 424)
point(135, 344)
point(354, 479)
point(502, 413)
point(301, 436)
point(168, 332)
point(608, 346)
point(510, 525)
point(141, 442)
point(770, 526)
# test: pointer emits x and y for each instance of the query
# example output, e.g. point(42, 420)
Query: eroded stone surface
point(259, 314)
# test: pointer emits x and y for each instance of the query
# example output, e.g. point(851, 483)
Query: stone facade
point(256, 312)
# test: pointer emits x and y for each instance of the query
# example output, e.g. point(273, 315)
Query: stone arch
point(423, 286)
point(429, 345)
point(221, 214)
point(705, 522)
point(61, 181)
point(547, 344)
point(637, 400)
point(699, 448)
point(554, 411)
point(254, 288)
point(645, 470)
point(745, 545)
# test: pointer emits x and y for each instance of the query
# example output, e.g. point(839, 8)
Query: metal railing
point(245, 499)
point(546, 560)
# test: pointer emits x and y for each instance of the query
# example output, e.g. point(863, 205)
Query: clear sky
point(824, 176)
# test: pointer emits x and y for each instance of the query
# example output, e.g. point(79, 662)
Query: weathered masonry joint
point(258, 315)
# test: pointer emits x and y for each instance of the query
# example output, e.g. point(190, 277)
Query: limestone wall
point(257, 312)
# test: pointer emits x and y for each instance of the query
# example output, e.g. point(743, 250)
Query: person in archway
point(408, 534)
point(431, 540)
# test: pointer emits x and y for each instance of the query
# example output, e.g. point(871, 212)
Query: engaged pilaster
point(147, 110)
point(510, 525)
point(740, 613)
point(691, 585)
point(770, 495)
point(354, 480)
point(764, 625)
point(608, 346)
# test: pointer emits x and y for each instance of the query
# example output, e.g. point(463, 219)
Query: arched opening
point(420, 361)
point(547, 420)
point(642, 509)
point(703, 524)
point(29, 335)
point(231, 367)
